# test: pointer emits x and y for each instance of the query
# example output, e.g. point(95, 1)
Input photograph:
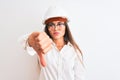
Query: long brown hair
point(67, 38)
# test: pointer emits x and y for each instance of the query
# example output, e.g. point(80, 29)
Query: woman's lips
point(56, 33)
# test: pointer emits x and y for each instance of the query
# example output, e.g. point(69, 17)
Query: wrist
point(30, 42)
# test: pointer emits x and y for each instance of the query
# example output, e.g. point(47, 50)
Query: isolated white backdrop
point(94, 24)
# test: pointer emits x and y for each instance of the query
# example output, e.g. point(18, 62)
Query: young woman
point(59, 55)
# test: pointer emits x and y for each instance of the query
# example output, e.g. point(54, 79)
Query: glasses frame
point(59, 25)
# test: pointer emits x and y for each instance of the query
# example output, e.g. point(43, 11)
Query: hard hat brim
point(55, 19)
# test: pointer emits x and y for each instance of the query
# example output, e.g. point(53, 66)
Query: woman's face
point(56, 29)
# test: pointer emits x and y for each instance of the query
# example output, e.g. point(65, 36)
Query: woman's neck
point(59, 43)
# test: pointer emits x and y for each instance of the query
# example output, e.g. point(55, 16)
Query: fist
point(41, 43)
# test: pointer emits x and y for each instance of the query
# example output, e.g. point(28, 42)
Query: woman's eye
point(60, 24)
point(50, 24)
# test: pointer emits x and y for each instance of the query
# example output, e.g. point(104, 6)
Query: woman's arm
point(23, 40)
point(79, 69)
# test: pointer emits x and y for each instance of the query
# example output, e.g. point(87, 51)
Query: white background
point(94, 24)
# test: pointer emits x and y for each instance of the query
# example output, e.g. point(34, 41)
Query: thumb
point(42, 59)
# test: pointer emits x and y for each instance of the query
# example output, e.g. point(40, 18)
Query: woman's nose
point(55, 27)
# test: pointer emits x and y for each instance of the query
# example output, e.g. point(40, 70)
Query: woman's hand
point(41, 43)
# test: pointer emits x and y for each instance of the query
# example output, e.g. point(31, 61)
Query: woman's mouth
point(56, 33)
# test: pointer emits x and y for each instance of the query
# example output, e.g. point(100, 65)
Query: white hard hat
point(55, 11)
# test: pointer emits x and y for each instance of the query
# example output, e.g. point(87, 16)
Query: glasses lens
point(52, 25)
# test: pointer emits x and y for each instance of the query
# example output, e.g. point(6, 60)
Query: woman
point(60, 56)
